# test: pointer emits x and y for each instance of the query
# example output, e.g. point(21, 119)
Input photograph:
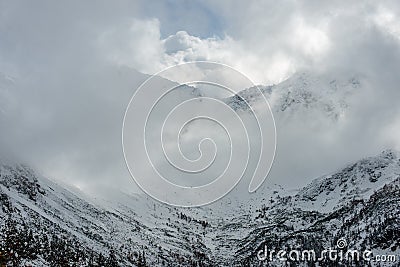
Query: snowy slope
point(301, 93)
point(359, 203)
point(221, 234)
point(127, 227)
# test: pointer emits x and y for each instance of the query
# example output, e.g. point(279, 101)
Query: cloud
point(134, 43)
point(268, 42)
point(72, 67)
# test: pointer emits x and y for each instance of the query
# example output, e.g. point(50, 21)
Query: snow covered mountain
point(303, 92)
point(68, 228)
point(359, 203)
point(47, 224)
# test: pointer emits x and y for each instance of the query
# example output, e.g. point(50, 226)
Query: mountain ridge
point(141, 231)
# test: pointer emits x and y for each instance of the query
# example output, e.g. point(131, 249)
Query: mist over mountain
point(107, 106)
point(52, 222)
point(323, 121)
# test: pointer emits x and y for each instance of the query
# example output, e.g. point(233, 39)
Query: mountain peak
point(301, 93)
point(356, 181)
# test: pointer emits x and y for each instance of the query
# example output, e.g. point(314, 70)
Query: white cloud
point(312, 40)
point(138, 45)
point(70, 91)
point(134, 43)
point(388, 20)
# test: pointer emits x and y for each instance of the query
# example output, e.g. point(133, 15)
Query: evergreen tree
point(112, 260)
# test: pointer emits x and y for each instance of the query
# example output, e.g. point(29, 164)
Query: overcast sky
point(68, 69)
